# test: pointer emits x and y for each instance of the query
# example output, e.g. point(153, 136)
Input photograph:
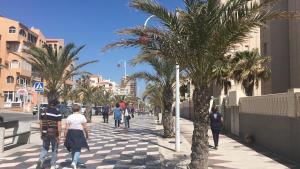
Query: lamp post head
point(145, 24)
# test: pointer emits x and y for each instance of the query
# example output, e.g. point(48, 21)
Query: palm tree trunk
point(88, 113)
point(168, 124)
point(51, 95)
point(199, 156)
point(167, 120)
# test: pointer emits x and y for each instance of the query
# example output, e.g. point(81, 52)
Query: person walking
point(117, 115)
point(215, 125)
point(106, 110)
point(131, 110)
point(75, 139)
point(122, 104)
point(127, 116)
point(50, 127)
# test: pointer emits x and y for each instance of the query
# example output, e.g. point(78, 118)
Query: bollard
point(2, 134)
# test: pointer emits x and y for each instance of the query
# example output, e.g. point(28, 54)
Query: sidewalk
point(231, 154)
point(119, 148)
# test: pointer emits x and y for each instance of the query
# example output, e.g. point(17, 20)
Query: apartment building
point(98, 80)
point(17, 75)
point(129, 86)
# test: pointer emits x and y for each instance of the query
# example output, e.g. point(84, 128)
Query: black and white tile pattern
point(119, 148)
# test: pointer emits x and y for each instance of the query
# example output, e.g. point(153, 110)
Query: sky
point(87, 22)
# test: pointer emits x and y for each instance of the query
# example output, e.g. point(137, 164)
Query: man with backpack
point(50, 127)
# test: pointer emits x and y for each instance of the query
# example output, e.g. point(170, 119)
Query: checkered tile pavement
point(120, 148)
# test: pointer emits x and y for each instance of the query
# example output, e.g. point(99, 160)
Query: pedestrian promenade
point(232, 154)
point(141, 146)
point(120, 148)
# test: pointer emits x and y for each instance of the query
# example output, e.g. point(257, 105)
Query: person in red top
point(122, 107)
point(122, 104)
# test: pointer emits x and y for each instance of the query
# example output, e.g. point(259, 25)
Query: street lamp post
point(177, 127)
point(177, 106)
point(124, 65)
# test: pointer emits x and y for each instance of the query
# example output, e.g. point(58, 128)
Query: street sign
point(39, 86)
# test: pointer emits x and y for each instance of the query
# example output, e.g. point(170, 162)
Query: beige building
point(16, 75)
point(98, 80)
point(281, 40)
point(129, 86)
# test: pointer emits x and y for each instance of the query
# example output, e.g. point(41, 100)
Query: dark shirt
point(50, 118)
point(131, 109)
point(215, 120)
point(106, 109)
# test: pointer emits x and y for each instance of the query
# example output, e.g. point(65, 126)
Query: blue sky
point(89, 22)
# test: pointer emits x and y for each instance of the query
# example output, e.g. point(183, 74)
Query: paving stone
point(120, 148)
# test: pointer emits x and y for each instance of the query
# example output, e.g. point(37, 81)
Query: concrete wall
point(231, 119)
point(278, 134)
point(186, 110)
point(273, 120)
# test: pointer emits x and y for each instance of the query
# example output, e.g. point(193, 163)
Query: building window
point(22, 81)
point(60, 47)
point(12, 29)
point(22, 32)
point(10, 79)
point(14, 64)
point(31, 38)
point(8, 96)
point(55, 46)
point(12, 46)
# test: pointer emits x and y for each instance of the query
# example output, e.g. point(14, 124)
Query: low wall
point(231, 119)
point(280, 104)
point(279, 134)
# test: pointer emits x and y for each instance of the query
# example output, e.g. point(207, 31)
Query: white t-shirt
point(75, 121)
point(126, 112)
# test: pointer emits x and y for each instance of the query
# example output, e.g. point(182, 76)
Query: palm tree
point(250, 68)
point(222, 72)
point(55, 66)
point(164, 79)
point(91, 95)
point(153, 93)
point(198, 37)
point(66, 93)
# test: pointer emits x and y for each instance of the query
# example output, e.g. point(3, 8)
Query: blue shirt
point(117, 113)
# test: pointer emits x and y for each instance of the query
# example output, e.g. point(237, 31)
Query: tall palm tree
point(55, 66)
point(165, 79)
point(91, 95)
point(221, 73)
point(88, 95)
point(250, 68)
point(66, 93)
point(198, 37)
point(153, 93)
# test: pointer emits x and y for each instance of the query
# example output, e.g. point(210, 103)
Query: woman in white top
point(127, 116)
point(75, 139)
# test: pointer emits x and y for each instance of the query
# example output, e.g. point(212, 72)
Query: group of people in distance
point(75, 131)
point(123, 112)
